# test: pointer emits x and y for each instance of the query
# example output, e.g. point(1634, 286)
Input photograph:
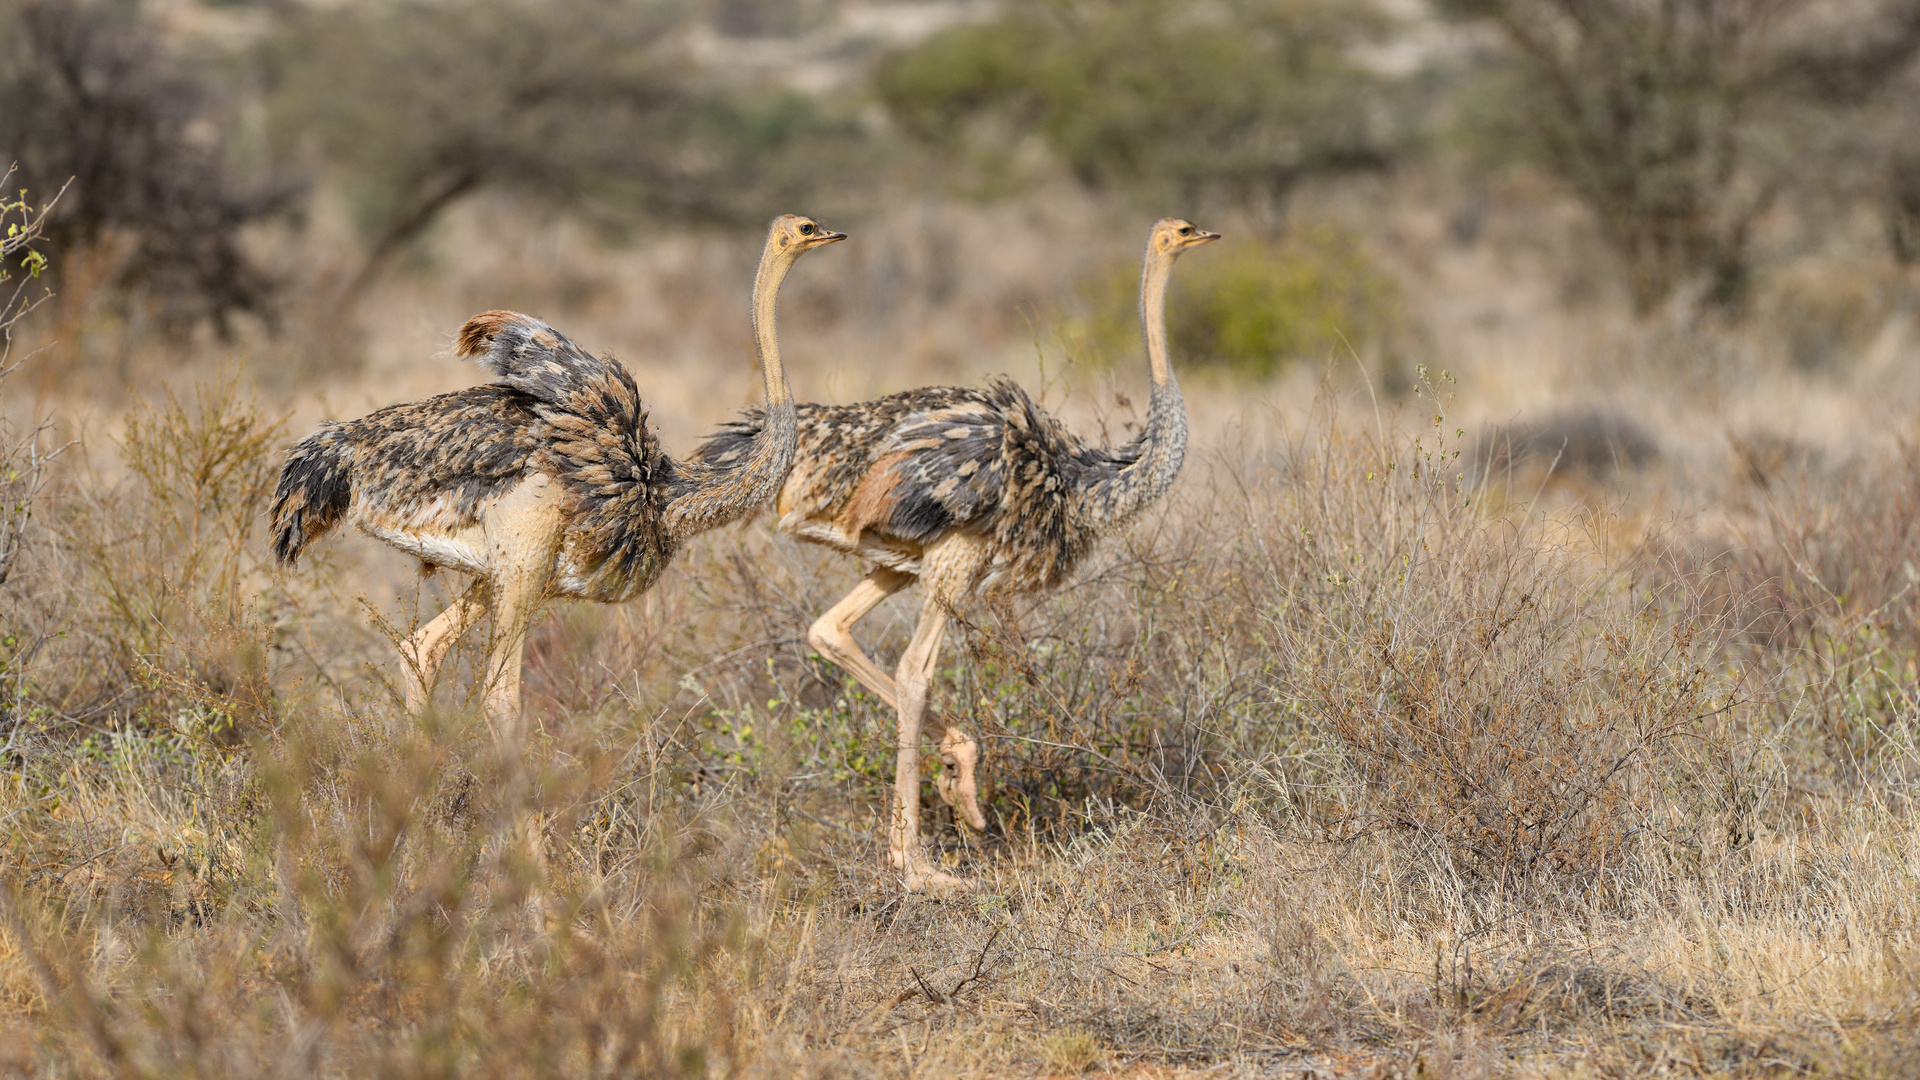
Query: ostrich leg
point(523, 532)
point(832, 636)
point(428, 646)
point(513, 614)
point(913, 679)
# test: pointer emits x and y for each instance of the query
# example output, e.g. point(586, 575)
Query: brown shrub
point(156, 601)
point(1501, 696)
point(1817, 573)
point(391, 938)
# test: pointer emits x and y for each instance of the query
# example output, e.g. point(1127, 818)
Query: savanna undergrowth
point(1338, 762)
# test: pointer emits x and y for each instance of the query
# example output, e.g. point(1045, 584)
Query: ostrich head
point(795, 233)
point(1174, 235)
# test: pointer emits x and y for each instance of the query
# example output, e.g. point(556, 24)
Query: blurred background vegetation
point(1232, 106)
point(256, 168)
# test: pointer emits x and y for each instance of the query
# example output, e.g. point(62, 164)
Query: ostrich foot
point(923, 876)
point(957, 785)
point(928, 879)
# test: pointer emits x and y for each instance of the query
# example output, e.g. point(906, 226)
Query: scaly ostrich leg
point(523, 530)
point(427, 648)
point(951, 563)
point(915, 677)
point(832, 636)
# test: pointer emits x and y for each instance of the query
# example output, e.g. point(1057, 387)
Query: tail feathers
point(1037, 523)
point(315, 489)
point(732, 445)
point(529, 355)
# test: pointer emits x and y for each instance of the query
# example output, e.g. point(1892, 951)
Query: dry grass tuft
point(1070, 1052)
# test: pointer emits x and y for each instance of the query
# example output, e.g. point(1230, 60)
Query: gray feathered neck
point(1113, 491)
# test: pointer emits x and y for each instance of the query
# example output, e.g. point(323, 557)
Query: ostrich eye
point(1186, 230)
point(806, 230)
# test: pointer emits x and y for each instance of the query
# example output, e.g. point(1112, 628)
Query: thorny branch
point(24, 455)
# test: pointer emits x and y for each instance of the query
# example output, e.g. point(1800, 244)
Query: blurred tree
point(1680, 122)
point(590, 105)
point(1239, 99)
point(1861, 72)
point(90, 92)
point(1903, 206)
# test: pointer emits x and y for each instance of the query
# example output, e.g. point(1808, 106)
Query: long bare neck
point(774, 264)
point(713, 495)
point(1147, 465)
point(1155, 271)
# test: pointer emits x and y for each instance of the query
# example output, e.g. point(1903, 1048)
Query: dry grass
point(1344, 763)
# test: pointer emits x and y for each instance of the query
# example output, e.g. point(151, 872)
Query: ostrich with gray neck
point(963, 490)
point(546, 483)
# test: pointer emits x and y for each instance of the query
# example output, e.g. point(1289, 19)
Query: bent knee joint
point(823, 637)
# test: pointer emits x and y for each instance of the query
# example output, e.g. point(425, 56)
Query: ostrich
point(545, 483)
point(963, 490)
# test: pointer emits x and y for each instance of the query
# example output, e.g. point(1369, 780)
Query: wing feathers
point(917, 465)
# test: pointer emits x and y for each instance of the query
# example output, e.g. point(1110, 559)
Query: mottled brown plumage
point(546, 483)
point(964, 490)
point(885, 478)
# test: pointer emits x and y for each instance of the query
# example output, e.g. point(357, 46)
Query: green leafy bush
point(1141, 94)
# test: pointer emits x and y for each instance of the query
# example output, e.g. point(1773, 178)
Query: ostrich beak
point(825, 236)
point(1202, 236)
